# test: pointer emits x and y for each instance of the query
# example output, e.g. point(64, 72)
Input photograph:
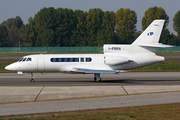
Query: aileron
point(94, 71)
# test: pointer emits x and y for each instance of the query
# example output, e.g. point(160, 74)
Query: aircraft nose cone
point(12, 67)
point(8, 67)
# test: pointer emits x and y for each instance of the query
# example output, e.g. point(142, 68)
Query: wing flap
point(91, 71)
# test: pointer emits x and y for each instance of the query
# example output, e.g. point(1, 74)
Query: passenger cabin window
point(82, 59)
point(64, 59)
point(88, 59)
point(59, 59)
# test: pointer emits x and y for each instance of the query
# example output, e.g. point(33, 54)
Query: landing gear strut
point(32, 77)
point(97, 77)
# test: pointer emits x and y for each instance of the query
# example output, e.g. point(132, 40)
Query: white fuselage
point(67, 62)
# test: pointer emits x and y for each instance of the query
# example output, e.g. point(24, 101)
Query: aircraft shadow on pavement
point(87, 82)
point(125, 81)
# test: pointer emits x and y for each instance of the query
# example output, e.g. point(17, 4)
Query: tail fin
point(150, 36)
point(147, 42)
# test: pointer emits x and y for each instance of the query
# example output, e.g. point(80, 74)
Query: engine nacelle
point(115, 60)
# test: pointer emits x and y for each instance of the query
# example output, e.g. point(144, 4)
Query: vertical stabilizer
point(147, 42)
point(150, 36)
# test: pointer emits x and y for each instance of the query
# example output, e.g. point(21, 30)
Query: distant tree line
point(52, 27)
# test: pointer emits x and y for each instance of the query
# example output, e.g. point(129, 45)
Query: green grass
point(170, 64)
point(4, 63)
point(168, 53)
point(162, 111)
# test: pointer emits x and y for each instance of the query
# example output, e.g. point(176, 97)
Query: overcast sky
point(27, 8)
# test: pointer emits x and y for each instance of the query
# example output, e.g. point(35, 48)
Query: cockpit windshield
point(25, 59)
point(21, 59)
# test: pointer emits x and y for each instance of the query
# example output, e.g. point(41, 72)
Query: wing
point(79, 70)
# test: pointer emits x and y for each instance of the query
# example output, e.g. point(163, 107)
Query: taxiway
point(60, 79)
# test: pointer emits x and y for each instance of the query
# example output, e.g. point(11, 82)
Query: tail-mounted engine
point(115, 60)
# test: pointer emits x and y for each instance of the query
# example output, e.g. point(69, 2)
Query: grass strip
point(169, 65)
point(4, 63)
point(168, 53)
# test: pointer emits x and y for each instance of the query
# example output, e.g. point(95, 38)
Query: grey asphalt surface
point(171, 56)
point(88, 103)
point(10, 57)
point(61, 79)
point(129, 79)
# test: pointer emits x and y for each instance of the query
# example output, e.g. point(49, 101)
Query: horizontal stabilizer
point(157, 45)
point(90, 71)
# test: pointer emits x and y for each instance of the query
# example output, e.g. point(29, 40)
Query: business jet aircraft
point(116, 57)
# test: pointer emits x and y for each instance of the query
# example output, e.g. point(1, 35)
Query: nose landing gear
point(32, 77)
point(97, 77)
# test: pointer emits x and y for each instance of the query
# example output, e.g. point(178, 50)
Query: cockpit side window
point(24, 59)
point(29, 59)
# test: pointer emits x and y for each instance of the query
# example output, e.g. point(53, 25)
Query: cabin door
point(40, 64)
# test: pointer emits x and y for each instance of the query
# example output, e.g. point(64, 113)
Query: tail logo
point(150, 34)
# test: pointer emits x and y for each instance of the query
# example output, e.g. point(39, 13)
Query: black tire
point(32, 80)
point(98, 80)
point(95, 79)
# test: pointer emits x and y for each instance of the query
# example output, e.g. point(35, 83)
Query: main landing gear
point(97, 77)
point(32, 77)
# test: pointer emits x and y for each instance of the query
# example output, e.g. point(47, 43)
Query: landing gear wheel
point(98, 80)
point(95, 79)
point(32, 80)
